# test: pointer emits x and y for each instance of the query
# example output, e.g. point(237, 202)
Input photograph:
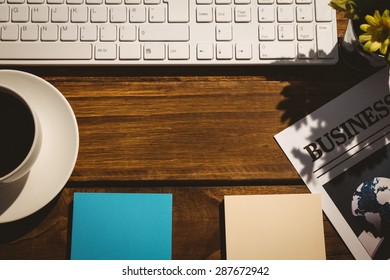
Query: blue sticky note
point(121, 226)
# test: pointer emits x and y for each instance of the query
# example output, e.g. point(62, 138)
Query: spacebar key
point(45, 51)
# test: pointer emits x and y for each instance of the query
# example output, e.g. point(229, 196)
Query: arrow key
point(243, 51)
point(223, 32)
point(204, 52)
point(224, 51)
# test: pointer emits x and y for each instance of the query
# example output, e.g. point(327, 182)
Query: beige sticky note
point(274, 227)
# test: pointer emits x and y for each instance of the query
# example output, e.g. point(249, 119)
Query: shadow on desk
point(14, 230)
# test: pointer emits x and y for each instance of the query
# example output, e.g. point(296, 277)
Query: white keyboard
point(167, 32)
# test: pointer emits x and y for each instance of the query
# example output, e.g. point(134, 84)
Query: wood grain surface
point(196, 132)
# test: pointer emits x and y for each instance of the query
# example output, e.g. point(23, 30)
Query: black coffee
point(17, 131)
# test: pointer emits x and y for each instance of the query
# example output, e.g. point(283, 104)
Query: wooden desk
point(197, 132)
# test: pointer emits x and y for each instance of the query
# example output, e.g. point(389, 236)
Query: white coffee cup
point(20, 135)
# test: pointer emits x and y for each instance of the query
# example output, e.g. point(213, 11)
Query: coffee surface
point(16, 131)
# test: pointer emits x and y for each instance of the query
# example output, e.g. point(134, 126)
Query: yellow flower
point(348, 6)
point(377, 32)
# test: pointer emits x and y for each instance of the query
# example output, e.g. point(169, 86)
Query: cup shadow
point(14, 230)
point(9, 192)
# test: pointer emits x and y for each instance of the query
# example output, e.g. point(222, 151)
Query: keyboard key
point(267, 32)
point(69, 33)
point(266, 13)
point(178, 51)
point(242, 14)
point(243, 51)
point(130, 51)
point(88, 33)
point(204, 14)
point(305, 32)
point(325, 46)
point(20, 14)
point(265, 2)
point(29, 32)
point(60, 14)
point(105, 51)
point(118, 14)
point(152, 2)
point(49, 33)
point(9, 33)
point(304, 13)
point(79, 14)
point(223, 33)
point(154, 51)
point(323, 11)
point(163, 32)
point(127, 33)
point(285, 14)
point(204, 52)
point(99, 14)
point(4, 13)
point(224, 51)
point(74, 2)
point(108, 33)
point(277, 50)
point(223, 14)
point(306, 50)
point(178, 10)
point(33, 51)
point(286, 32)
point(137, 14)
point(157, 14)
point(133, 2)
point(40, 14)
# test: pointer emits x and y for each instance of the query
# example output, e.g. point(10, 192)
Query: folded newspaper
point(341, 152)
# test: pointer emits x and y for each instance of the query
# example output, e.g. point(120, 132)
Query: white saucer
point(59, 150)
